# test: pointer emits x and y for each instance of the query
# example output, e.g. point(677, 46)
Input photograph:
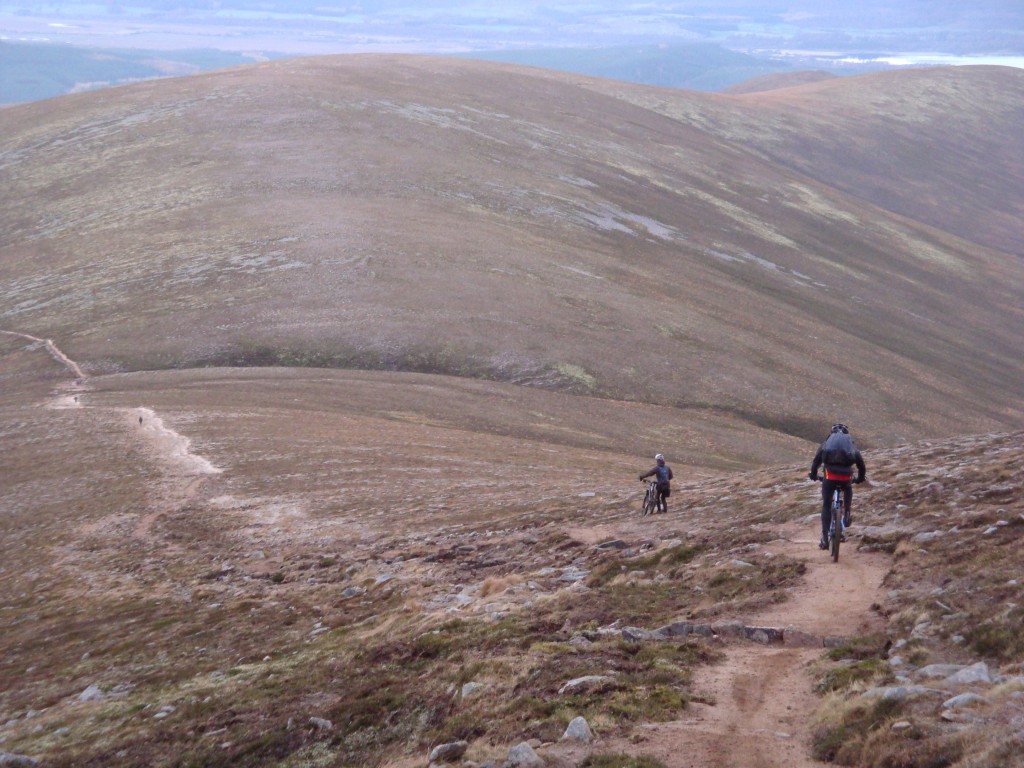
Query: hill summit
point(841, 249)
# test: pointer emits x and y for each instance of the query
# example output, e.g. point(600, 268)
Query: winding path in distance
point(55, 353)
point(170, 449)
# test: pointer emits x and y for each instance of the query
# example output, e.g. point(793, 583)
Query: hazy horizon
point(878, 27)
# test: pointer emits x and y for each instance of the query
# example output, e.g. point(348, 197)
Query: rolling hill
point(325, 384)
point(786, 257)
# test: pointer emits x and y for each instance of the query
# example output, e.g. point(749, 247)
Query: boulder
point(964, 700)
point(523, 756)
point(448, 753)
point(586, 684)
point(937, 671)
point(468, 689)
point(636, 634)
point(578, 730)
point(92, 693)
point(764, 635)
point(976, 673)
point(901, 692)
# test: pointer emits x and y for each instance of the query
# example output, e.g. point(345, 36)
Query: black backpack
point(839, 450)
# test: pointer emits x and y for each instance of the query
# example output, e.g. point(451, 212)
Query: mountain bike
point(835, 529)
point(650, 505)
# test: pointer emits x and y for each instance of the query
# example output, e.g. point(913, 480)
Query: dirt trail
point(171, 450)
point(55, 352)
point(764, 700)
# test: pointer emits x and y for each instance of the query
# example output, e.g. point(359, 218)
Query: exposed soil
point(763, 696)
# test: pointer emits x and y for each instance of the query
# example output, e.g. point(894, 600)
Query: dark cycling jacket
point(838, 472)
point(663, 472)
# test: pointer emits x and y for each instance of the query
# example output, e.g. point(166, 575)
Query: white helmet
point(659, 457)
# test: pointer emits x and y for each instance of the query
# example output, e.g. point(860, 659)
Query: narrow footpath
point(57, 355)
point(764, 700)
point(169, 449)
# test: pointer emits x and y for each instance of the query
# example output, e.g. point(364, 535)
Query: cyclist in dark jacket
point(838, 454)
point(663, 472)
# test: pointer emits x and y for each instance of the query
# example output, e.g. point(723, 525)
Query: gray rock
point(937, 671)
point(587, 683)
point(976, 673)
point(614, 544)
point(448, 753)
point(92, 693)
point(901, 692)
point(764, 635)
point(573, 574)
point(960, 717)
point(727, 628)
point(682, 629)
point(636, 635)
point(10, 760)
point(523, 756)
point(578, 730)
point(964, 700)
point(927, 536)
point(470, 688)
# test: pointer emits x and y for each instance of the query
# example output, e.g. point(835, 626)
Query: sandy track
point(55, 352)
point(171, 450)
point(763, 697)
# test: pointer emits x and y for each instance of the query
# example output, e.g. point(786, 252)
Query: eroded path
point(167, 448)
point(764, 702)
point(55, 352)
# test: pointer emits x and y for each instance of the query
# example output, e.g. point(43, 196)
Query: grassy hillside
point(709, 253)
point(332, 454)
point(357, 548)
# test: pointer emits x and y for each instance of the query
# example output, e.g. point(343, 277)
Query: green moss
point(860, 647)
point(844, 677)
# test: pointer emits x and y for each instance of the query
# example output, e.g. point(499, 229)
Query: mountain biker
point(663, 473)
point(838, 454)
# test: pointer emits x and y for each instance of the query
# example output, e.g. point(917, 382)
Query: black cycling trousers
point(664, 491)
point(827, 487)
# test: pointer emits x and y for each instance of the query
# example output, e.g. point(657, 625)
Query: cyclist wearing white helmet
point(663, 474)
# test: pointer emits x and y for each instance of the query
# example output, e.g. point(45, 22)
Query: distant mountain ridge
point(33, 71)
point(842, 249)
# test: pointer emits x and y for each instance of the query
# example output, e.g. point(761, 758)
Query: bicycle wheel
point(650, 501)
point(836, 529)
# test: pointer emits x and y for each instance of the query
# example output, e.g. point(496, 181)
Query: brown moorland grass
point(128, 576)
point(814, 253)
point(537, 300)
